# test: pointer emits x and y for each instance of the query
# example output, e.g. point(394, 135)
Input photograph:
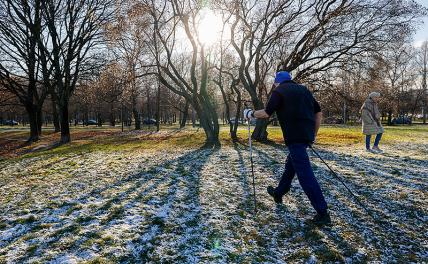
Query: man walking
point(299, 115)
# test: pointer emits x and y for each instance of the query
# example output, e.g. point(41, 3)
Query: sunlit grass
point(112, 140)
point(347, 135)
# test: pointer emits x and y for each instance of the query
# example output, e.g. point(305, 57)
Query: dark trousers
point(298, 163)
point(376, 142)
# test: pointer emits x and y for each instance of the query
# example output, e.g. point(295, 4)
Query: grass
point(32, 249)
point(41, 227)
point(2, 225)
point(73, 208)
point(112, 140)
point(114, 213)
point(99, 260)
point(27, 220)
point(348, 135)
point(328, 254)
point(164, 176)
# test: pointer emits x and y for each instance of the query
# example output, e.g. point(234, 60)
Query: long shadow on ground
point(161, 214)
point(292, 230)
point(391, 229)
point(140, 205)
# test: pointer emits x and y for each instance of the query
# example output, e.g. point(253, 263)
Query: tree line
point(148, 58)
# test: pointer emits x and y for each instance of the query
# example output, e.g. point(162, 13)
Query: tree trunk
point(185, 113)
point(99, 120)
point(233, 132)
point(389, 117)
point(137, 119)
point(424, 105)
point(34, 130)
point(112, 119)
point(65, 126)
point(344, 116)
point(121, 115)
point(226, 105)
point(193, 118)
point(149, 112)
point(211, 129)
point(260, 131)
point(39, 121)
point(76, 118)
point(424, 82)
point(158, 109)
point(86, 117)
point(208, 120)
point(135, 113)
point(55, 114)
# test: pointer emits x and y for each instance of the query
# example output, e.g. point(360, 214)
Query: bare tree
point(171, 58)
point(227, 80)
point(7, 98)
point(109, 86)
point(75, 33)
point(20, 29)
point(177, 103)
point(126, 41)
point(309, 37)
point(424, 56)
point(395, 62)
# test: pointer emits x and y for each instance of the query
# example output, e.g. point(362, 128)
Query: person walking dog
point(299, 116)
point(371, 125)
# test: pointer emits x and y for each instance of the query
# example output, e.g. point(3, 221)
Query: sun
point(210, 27)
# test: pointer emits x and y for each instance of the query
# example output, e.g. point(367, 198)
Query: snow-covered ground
point(196, 206)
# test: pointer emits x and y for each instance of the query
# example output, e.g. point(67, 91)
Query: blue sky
point(422, 33)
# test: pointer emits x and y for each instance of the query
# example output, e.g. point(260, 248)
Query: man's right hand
point(248, 114)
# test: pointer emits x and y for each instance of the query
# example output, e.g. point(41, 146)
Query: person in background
point(371, 125)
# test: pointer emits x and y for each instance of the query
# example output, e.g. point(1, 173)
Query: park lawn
point(348, 135)
point(112, 139)
point(132, 197)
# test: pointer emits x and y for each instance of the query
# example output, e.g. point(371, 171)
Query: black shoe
point(277, 198)
point(321, 219)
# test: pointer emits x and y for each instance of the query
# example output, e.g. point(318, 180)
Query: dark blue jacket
point(295, 108)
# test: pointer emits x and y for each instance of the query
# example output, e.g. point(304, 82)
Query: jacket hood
point(368, 103)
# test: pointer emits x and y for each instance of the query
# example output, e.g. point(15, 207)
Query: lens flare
point(210, 27)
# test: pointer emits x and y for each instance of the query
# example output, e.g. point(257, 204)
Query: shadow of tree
point(388, 225)
point(197, 207)
point(75, 229)
point(247, 201)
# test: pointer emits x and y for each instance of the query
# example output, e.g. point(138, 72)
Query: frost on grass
point(196, 206)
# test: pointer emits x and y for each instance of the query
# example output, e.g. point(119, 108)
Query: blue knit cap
point(282, 76)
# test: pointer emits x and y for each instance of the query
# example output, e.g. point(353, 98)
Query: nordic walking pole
point(341, 181)
point(252, 166)
point(386, 226)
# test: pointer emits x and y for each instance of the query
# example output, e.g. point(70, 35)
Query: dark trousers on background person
point(298, 163)
point(376, 142)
